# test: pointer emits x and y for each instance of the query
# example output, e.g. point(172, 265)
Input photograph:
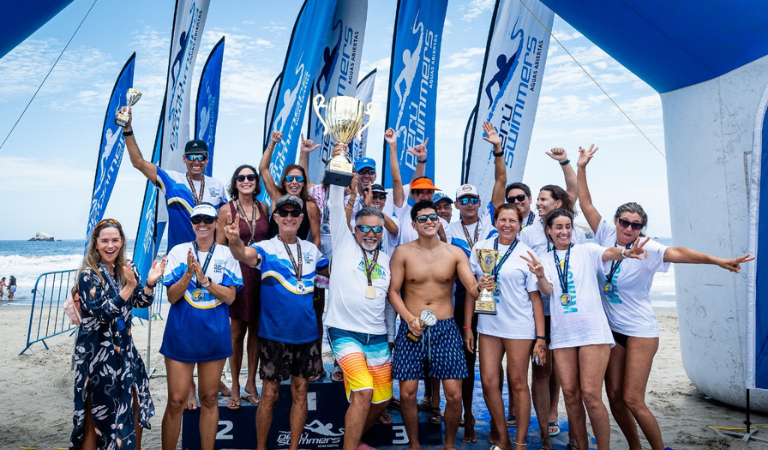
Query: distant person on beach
point(2, 287)
point(290, 347)
point(112, 403)
point(201, 279)
point(11, 287)
point(423, 273)
point(183, 191)
point(627, 304)
point(253, 220)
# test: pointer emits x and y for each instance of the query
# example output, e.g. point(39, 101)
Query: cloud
point(461, 59)
point(475, 8)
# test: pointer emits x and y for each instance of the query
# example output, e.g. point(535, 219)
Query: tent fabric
point(22, 18)
point(671, 45)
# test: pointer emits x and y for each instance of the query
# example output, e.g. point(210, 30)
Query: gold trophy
point(343, 121)
point(486, 303)
point(426, 319)
point(131, 97)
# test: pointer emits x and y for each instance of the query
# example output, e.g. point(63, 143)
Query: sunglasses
point(366, 228)
point(287, 212)
point(290, 178)
point(249, 177)
point(432, 217)
point(379, 196)
point(198, 158)
point(626, 224)
point(109, 221)
point(519, 198)
point(467, 200)
point(367, 171)
point(207, 219)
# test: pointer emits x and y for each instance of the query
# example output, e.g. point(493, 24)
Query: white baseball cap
point(466, 190)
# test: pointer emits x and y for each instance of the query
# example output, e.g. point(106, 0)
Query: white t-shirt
point(535, 237)
point(514, 318)
point(628, 305)
point(582, 321)
point(348, 307)
point(407, 232)
point(456, 236)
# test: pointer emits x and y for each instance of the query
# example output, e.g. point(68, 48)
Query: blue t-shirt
point(180, 202)
point(287, 315)
point(197, 328)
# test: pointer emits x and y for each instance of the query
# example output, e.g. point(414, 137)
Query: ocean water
point(28, 260)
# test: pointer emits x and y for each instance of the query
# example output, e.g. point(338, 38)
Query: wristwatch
point(207, 282)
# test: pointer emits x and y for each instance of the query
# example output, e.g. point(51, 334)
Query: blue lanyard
point(503, 259)
point(531, 216)
point(562, 273)
point(207, 261)
point(615, 265)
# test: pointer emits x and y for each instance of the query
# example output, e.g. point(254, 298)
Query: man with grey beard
point(355, 318)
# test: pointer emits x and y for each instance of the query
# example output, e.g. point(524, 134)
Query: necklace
point(370, 291)
point(195, 197)
point(466, 233)
point(252, 224)
point(296, 267)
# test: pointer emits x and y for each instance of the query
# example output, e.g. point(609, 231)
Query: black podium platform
point(324, 429)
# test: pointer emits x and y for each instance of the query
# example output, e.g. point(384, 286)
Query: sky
point(48, 163)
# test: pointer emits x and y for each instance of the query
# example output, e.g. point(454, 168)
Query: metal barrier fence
point(47, 318)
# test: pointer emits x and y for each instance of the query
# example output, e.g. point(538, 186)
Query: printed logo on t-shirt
point(613, 294)
point(376, 274)
point(308, 258)
point(214, 192)
point(569, 306)
point(218, 265)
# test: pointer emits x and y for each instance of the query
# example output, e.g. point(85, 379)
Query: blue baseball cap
point(362, 163)
point(440, 196)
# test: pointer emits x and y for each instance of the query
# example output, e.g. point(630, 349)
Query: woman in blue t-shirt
point(202, 279)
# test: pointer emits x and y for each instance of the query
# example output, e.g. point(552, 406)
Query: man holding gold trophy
point(423, 273)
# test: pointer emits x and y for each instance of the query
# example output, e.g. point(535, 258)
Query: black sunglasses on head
point(249, 177)
point(291, 212)
point(207, 219)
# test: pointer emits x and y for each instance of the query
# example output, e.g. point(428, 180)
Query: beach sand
point(36, 392)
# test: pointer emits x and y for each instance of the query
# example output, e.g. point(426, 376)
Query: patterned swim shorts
point(279, 361)
point(438, 354)
point(365, 360)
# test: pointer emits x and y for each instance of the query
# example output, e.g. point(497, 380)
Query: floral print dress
point(107, 364)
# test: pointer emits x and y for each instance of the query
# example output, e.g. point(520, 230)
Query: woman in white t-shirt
point(627, 303)
point(581, 338)
point(517, 329)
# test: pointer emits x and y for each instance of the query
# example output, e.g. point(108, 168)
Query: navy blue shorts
point(438, 354)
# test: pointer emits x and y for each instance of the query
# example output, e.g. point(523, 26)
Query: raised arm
point(246, 255)
point(307, 146)
point(500, 170)
point(585, 198)
point(137, 160)
point(537, 268)
point(398, 195)
point(635, 252)
point(266, 158)
point(420, 152)
point(688, 256)
point(571, 186)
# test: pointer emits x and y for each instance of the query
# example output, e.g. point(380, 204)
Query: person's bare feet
point(224, 390)
point(191, 400)
point(469, 430)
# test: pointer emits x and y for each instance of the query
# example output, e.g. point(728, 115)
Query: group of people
point(245, 274)
point(10, 286)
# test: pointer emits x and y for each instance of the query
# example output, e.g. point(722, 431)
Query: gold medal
point(608, 288)
point(370, 292)
point(565, 299)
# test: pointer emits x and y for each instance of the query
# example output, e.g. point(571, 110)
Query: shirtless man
point(423, 273)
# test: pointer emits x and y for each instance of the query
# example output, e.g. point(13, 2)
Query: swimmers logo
point(376, 274)
point(317, 434)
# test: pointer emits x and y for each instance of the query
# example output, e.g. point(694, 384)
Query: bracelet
point(566, 162)
point(624, 255)
point(422, 161)
point(150, 285)
point(128, 133)
point(207, 282)
point(543, 338)
point(501, 153)
point(466, 328)
point(478, 289)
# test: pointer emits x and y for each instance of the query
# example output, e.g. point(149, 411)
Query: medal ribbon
point(369, 269)
point(562, 273)
point(195, 197)
point(466, 233)
point(528, 222)
point(503, 259)
point(296, 267)
point(615, 265)
point(252, 224)
point(205, 264)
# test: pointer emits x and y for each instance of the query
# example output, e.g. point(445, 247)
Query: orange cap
point(424, 183)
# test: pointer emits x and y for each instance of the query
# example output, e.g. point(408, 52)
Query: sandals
point(337, 374)
point(511, 421)
point(556, 426)
point(233, 403)
point(394, 403)
point(424, 404)
point(317, 377)
point(385, 418)
point(253, 399)
point(435, 416)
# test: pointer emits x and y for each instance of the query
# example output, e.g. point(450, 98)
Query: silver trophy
point(131, 97)
point(343, 121)
point(426, 319)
